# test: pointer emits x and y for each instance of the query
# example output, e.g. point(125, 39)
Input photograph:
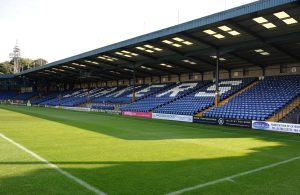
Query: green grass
point(123, 155)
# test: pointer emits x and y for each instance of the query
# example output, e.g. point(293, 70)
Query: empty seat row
point(261, 101)
point(203, 97)
point(164, 97)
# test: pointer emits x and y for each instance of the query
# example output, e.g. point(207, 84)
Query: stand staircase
point(285, 110)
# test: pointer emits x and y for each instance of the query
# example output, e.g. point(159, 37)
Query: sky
point(57, 29)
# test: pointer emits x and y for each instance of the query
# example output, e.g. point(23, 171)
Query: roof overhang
point(261, 34)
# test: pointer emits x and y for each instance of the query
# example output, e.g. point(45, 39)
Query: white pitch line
point(230, 178)
point(68, 175)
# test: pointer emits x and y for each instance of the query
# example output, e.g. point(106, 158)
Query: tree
point(39, 62)
point(6, 67)
point(24, 63)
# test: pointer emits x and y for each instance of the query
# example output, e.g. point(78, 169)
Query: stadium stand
point(97, 96)
point(178, 90)
point(42, 99)
point(24, 96)
point(5, 95)
point(120, 97)
point(68, 98)
point(73, 98)
point(204, 97)
point(141, 93)
point(105, 94)
point(123, 96)
point(112, 98)
point(261, 101)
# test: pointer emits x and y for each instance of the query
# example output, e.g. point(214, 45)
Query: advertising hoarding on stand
point(223, 121)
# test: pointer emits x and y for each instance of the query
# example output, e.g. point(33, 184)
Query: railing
point(225, 101)
point(286, 110)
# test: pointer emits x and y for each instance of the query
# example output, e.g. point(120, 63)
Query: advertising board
point(173, 117)
point(138, 114)
point(223, 121)
point(274, 126)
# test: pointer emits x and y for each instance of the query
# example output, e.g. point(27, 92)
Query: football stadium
point(209, 106)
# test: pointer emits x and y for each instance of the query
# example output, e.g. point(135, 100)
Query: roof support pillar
point(134, 80)
point(283, 68)
point(217, 80)
point(244, 71)
point(47, 89)
point(88, 99)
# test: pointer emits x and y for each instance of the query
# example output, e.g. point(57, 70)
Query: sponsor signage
point(274, 126)
point(173, 117)
point(197, 119)
point(138, 114)
point(223, 121)
point(116, 112)
point(76, 108)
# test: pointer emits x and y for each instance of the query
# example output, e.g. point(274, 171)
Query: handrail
point(287, 109)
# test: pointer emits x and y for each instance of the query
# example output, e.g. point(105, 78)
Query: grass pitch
point(122, 155)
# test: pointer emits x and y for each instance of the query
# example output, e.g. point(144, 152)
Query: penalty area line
point(65, 173)
point(230, 178)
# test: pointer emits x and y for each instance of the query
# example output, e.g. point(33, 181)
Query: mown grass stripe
point(68, 175)
point(230, 178)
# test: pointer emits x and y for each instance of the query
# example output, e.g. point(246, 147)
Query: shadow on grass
point(158, 176)
point(131, 128)
point(152, 177)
